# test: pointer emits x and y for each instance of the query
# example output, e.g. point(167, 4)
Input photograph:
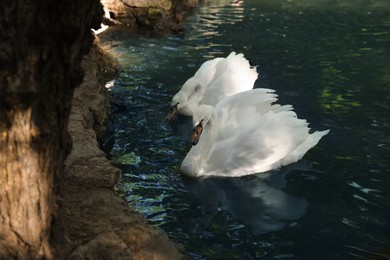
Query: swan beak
point(172, 112)
point(196, 132)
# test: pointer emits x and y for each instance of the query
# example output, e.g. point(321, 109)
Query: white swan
point(103, 27)
point(214, 80)
point(246, 133)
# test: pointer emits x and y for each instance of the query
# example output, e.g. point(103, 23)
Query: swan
point(103, 27)
point(214, 80)
point(246, 133)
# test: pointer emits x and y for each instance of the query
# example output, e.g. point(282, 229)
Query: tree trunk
point(41, 46)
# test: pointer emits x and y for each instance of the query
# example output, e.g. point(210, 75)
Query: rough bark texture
point(41, 46)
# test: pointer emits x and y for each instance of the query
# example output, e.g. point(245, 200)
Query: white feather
point(214, 80)
point(247, 133)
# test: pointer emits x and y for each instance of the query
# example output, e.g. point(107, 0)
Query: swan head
point(187, 99)
point(172, 111)
point(196, 132)
point(177, 105)
point(200, 119)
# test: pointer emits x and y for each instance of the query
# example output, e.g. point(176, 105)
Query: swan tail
point(304, 147)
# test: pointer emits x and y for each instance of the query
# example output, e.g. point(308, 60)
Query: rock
point(93, 222)
point(114, 6)
point(160, 4)
point(105, 246)
point(160, 16)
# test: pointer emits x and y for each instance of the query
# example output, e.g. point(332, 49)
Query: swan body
point(247, 133)
point(214, 80)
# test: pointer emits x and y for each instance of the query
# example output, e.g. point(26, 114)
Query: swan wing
point(233, 111)
point(192, 91)
point(234, 75)
point(208, 71)
point(253, 147)
point(271, 138)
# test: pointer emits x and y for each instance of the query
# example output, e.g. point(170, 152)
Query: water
point(331, 61)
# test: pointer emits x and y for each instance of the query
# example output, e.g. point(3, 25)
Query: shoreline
point(93, 222)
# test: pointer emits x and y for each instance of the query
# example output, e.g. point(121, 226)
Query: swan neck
point(203, 147)
point(194, 163)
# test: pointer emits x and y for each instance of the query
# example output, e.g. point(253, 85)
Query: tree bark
point(41, 46)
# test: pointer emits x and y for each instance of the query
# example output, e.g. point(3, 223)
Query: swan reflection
point(257, 200)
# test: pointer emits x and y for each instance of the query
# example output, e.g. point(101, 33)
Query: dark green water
point(331, 61)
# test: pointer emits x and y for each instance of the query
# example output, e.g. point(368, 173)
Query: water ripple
point(330, 63)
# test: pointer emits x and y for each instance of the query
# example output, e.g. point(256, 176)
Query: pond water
point(329, 59)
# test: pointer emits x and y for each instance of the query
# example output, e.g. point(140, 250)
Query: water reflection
point(257, 200)
point(221, 12)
